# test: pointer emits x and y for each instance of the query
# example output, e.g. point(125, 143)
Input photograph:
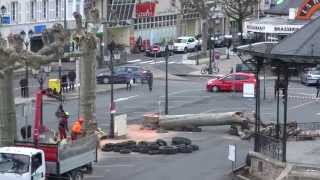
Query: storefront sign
point(308, 9)
point(146, 9)
point(39, 28)
point(269, 28)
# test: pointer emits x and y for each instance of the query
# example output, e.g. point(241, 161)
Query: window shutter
point(19, 13)
point(52, 9)
point(27, 11)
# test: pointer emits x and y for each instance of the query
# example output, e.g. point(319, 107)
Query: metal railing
point(270, 146)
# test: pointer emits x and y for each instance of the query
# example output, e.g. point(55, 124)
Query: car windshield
point(14, 163)
point(181, 40)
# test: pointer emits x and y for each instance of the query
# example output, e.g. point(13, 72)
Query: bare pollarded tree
point(14, 56)
point(239, 10)
point(203, 8)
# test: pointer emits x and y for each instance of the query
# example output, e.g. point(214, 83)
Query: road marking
point(133, 61)
point(125, 98)
point(145, 62)
point(300, 105)
point(171, 62)
point(318, 114)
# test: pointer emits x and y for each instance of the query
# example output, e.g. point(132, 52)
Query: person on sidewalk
point(76, 130)
point(150, 80)
point(318, 88)
point(64, 83)
point(72, 77)
point(23, 86)
point(129, 79)
point(63, 126)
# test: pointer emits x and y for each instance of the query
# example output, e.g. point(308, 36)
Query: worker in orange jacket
point(76, 129)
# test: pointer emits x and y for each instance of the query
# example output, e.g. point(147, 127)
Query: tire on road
point(125, 151)
point(181, 140)
point(161, 142)
point(153, 152)
point(194, 147)
point(107, 147)
point(168, 150)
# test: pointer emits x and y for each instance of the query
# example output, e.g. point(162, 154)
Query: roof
point(19, 150)
point(304, 42)
point(283, 8)
point(300, 47)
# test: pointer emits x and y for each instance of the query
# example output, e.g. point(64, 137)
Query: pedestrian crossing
point(151, 62)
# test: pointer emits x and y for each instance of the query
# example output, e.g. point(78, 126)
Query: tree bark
point(7, 110)
point(205, 38)
point(88, 87)
point(196, 120)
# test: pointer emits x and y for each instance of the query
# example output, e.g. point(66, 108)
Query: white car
point(185, 44)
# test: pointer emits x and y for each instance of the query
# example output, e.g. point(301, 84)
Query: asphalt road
point(184, 97)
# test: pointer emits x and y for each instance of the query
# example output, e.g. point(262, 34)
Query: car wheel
point(185, 50)
point(106, 80)
point(215, 89)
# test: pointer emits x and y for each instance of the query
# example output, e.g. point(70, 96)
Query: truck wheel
point(77, 175)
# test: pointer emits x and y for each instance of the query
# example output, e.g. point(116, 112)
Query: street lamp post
point(27, 44)
point(210, 54)
point(111, 48)
point(166, 93)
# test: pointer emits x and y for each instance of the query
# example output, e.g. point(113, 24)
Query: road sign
point(113, 108)
point(248, 90)
point(232, 153)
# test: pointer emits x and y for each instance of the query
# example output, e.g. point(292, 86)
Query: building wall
point(46, 14)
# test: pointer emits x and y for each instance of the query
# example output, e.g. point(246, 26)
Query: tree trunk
point(7, 110)
point(239, 21)
point(88, 88)
point(214, 119)
point(204, 30)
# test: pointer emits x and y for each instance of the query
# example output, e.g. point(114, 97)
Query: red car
point(226, 83)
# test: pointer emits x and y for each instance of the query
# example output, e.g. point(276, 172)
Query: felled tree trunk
point(196, 120)
point(7, 110)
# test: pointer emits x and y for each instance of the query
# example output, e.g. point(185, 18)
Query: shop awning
point(300, 47)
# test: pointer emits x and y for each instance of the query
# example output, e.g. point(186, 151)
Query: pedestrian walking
point(64, 83)
point(129, 79)
point(63, 126)
point(318, 88)
point(150, 80)
point(72, 77)
point(23, 86)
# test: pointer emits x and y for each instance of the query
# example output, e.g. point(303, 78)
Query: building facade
point(33, 16)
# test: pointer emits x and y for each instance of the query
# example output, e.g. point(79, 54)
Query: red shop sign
point(145, 9)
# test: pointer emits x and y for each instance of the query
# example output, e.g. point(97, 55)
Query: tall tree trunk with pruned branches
point(239, 10)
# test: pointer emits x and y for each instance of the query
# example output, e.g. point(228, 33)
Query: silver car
point(310, 76)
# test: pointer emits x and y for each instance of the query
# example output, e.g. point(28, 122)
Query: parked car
point(231, 81)
point(161, 50)
point(185, 44)
point(246, 68)
point(310, 76)
point(219, 40)
point(123, 75)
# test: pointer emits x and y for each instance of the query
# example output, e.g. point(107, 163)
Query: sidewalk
point(225, 65)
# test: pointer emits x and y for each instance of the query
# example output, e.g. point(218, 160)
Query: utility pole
point(111, 47)
point(166, 96)
point(210, 54)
